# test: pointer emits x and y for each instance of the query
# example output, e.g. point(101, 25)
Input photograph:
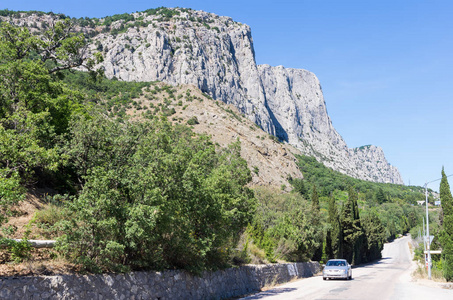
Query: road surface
point(389, 278)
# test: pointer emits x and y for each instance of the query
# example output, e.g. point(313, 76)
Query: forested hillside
point(332, 215)
point(131, 186)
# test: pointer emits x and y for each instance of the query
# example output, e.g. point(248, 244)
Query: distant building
point(437, 203)
point(421, 202)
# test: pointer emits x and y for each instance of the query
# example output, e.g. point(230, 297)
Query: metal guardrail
point(434, 252)
point(35, 243)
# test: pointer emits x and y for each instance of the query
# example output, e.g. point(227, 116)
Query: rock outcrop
point(216, 54)
point(300, 116)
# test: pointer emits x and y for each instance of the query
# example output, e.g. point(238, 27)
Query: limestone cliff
point(216, 54)
point(296, 101)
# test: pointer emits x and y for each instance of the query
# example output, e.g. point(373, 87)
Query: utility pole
point(427, 232)
point(424, 236)
point(428, 239)
point(424, 241)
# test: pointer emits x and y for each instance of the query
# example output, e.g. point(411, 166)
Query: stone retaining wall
point(155, 285)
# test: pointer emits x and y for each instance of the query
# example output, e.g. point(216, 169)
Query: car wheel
point(324, 278)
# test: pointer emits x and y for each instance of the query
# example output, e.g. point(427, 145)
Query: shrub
point(49, 216)
point(193, 121)
point(285, 227)
point(256, 170)
point(154, 196)
point(20, 251)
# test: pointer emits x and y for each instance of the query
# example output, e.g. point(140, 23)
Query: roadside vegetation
point(348, 218)
point(440, 226)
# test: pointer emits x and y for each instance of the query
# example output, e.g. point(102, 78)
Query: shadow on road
point(380, 261)
point(269, 293)
point(339, 279)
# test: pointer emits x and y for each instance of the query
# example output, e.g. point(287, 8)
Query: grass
point(49, 216)
point(422, 273)
point(270, 284)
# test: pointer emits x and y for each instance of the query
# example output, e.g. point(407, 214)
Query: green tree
point(334, 239)
point(352, 229)
point(375, 236)
point(35, 108)
point(380, 196)
point(446, 235)
point(299, 186)
point(300, 232)
point(285, 226)
point(154, 196)
point(314, 199)
point(361, 242)
point(316, 209)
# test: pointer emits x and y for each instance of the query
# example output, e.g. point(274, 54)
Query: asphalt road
point(389, 278)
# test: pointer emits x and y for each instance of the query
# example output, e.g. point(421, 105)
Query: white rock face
point(371, 163)
point(219, 60)
point(295, 100)
point(216, 54)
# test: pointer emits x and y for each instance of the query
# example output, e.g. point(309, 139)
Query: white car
point(337, 268)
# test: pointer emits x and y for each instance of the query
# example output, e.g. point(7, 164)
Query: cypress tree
point(347, 221)
point(375, 236)
point(314, 199)
point(333, 235)
point(380, 196)
point(352, 230)
point(446, 234)
point(329, 247)
point(360, 242)
point(317, 256)
point(299, 186)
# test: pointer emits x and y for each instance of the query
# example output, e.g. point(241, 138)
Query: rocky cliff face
point(216, 54)
point(300, 116)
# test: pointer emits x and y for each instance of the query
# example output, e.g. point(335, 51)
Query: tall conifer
point(315, 199)
point(353, 236)
point(333, 236)
point(380, 196)
point(329, 248)
point(374, 236)
point(446, 235)
point(317, 256)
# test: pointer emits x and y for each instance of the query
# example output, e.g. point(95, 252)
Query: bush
point(19, 251)
point(193, 121)
point(285, 226)
point(48, 217)
point(154, 196)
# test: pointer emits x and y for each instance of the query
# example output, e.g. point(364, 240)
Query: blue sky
point(385, 66)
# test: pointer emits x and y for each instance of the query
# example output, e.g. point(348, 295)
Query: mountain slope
point(270, 161)
point(216, 54)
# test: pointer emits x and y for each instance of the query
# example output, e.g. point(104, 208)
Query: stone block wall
point(169, 284)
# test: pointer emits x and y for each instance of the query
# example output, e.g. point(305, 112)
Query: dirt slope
point(271, 162)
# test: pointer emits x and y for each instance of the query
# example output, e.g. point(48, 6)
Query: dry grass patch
point(32, 219)
point(422, 273)
point(40, 262)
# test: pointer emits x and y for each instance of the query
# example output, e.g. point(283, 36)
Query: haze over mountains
point(216, 54)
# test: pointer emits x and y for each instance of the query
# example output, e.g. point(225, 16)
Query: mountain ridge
point(216, 54)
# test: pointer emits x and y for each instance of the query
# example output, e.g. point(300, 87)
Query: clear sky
point(386, 67)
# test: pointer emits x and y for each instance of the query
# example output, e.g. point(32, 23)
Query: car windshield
point(336, 263)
